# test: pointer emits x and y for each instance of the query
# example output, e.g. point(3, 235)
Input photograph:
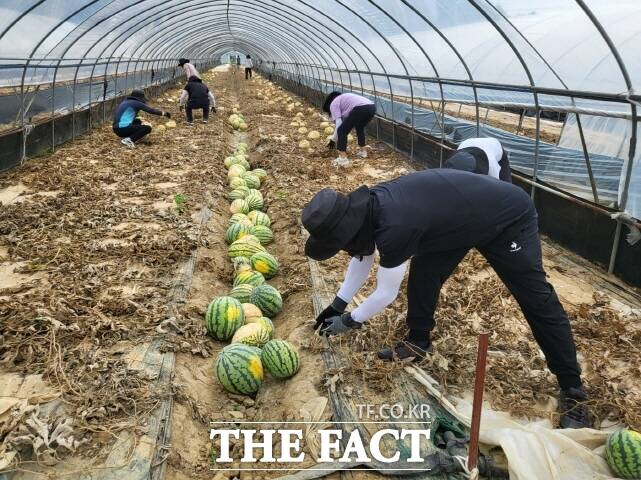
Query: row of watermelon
point(245, 314)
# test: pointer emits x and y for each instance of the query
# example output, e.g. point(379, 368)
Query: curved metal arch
point(458, 55)
point(188, 32)
point(302, 18)
point(633, 108)
point(537, 140)
point(20, 17)
point(440, 85)
point(293, 30)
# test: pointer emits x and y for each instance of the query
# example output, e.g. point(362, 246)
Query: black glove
point(339, 324)
point(166, 114)
point(337, 307)
point(331, 144)
point(213, 109)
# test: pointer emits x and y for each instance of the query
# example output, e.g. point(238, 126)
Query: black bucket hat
point(138, 95)
point(333, 220)
point(328, 100)
point(469, 160)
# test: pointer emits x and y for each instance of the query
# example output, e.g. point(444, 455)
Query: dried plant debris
point(96, 235)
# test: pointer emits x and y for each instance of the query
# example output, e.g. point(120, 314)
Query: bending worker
point(188, 68)
point(126, 123)
point(481, 155)
point(348, 111)
point(433, 218)
point(197, 96)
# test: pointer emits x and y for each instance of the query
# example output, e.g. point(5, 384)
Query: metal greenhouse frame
point(408, 55)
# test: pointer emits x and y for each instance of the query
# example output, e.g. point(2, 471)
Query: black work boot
point(574, 413)
point(414, 351)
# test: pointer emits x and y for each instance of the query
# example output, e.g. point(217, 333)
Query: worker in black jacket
point(196, 95)
point(126, 123)
point(433, 218)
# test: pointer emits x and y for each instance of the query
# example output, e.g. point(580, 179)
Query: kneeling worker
point(481, 155)
point(434, 218)
point(126, 123)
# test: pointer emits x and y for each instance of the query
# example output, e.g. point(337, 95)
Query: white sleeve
point(388, 283)
point(183, 97)
point(338, 124)
point(212, 99)
point(355, 277)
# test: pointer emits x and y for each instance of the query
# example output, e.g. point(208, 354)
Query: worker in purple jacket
point(348, 111)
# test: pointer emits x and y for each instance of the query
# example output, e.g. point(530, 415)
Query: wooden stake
point(477, 405)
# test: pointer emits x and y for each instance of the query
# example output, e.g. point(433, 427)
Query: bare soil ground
point(92, 242)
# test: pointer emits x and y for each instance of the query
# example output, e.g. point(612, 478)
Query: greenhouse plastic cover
point(576, 56)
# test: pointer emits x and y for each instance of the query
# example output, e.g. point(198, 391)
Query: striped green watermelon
point(242, 292)
point(245, 247)
point(242, 147)
point(241, 264)
point(251, 180)
point(264, 263)
point(260, 173)
point(223, 317)
point(240, 192)
point(263, 321)
point(240, 217)
point(254, 202)
point(239, 206)
point(249, 276)
point(236, 171)
point(262, 233)
point(259, 218)
point(268, 299)
point(239, 368)
point(623, 453)
point(251, 334)
point(280, 358)
point(236, 182)
point(236, 231)
point(229, 161)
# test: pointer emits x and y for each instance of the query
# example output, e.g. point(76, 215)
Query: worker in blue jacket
point(126, 123)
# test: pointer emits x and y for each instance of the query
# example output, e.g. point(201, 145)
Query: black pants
point(248, 73)
point(358, 118)
point(516, 257)
point(195, 105)
point(135, 131)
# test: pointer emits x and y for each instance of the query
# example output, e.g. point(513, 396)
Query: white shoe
point(128, 142)
point(205, 121)
point(362, 153)
point(340, 162)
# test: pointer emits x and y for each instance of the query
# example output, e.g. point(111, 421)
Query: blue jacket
point(128, 110)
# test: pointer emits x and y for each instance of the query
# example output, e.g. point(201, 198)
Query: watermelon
point(242, 292)
point(253, 191)
point(254, 202)
point(251, 312)
point(236, 171)
point(241, 264)
point(240, 217)
point(249, 276)
point(260, 173)
point(262, 233)
point(268, 299)
point(239, 206)
point(259, 218)
point(264, 263)
point(251, 334)
point(239, 368)
point(242, 147)
point(236, 231)
point(223, 317)
point(236, 182)
point(240, 192)
point(236, 160)
point(264, 321)
point(280, 358)
point(623, 453)
point(251, 180)
point(245, 247)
